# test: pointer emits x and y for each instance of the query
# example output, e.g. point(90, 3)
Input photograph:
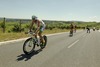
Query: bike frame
point(35, 41)
point(32, 35)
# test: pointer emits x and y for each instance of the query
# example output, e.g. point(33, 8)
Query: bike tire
point(71, 33)
point(25, 44)
point(45, 38)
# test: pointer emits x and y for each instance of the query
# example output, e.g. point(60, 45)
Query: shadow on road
point(27, 57)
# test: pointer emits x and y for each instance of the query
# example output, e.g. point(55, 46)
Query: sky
point(66, 10)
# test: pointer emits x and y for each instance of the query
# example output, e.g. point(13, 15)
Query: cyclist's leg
point(36, 34)
point(36, 40)
point(40, 34)
point(87, 30)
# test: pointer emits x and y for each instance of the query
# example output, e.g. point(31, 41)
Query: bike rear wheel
point(71, 33)
point(28, 46)
point(44, 45)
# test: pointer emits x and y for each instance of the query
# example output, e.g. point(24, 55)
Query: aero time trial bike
point(30, 44)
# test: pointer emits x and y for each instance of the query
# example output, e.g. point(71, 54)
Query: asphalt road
point(81, 50)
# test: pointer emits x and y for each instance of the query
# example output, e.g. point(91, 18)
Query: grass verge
point(13, 36)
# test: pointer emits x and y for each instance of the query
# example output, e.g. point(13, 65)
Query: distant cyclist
point(94, 28)
point(40, 27)
point(72, 27)
point(75, 28)
point(88, 29)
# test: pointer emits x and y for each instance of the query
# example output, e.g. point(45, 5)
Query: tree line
point(21, 25)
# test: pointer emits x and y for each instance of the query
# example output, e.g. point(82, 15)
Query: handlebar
point(32, 33)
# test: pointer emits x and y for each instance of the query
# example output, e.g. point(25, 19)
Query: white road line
point(73, 44)
point(56, 34)
point(12, 41)
point(17, 40)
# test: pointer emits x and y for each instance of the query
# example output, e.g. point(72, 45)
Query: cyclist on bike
point(93, 28)
point(75, 28)
point(72, 27)
point(40, 27)
point(88, 29)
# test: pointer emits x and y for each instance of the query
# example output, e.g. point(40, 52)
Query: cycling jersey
point(42, 24)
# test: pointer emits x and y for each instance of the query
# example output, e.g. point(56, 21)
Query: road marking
point(56, 34)
point(73, 44)
point(12, 41)
point(17, 40)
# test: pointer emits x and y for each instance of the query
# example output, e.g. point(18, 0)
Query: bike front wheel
point(28, 46)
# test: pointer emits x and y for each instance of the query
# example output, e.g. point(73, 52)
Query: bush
point(2, 25)
point(27, 26)
point(9, 31)
point(17, 28)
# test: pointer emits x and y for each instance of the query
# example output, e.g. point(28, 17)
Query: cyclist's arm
point(31, 25)
point(38, 27)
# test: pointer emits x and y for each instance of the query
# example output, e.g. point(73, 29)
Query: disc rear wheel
point(43, 45)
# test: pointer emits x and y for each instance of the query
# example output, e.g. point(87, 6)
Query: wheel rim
point(29, 46)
